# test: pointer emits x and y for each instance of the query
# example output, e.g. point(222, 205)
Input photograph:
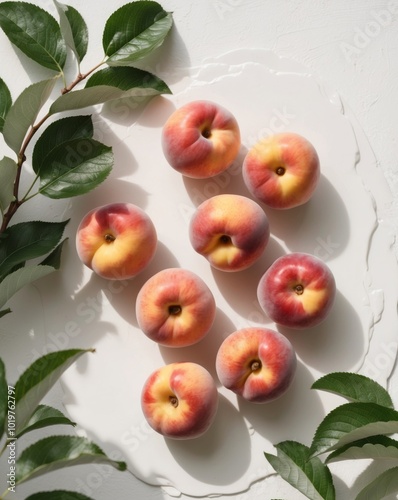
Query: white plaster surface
point(352, 47)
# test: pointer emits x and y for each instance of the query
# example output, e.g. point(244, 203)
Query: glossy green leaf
point(16, 280)
point(24, 112)
point(4, 312)
point(60, 133)
point(75, 168)
point(374, 447)
point(134, 31)
point(110, 84)
point(58, 495)
point(38, 379)
point(5, 102)
point(128, 79)
point(56, 452)
point(383, 485)
point(73, 28)
point(8, 172)
point(28, 240)
point(35, 32)
point(53, 259)
point(351, 422)
point(45, 416)
point(354, 387)
point(3, 398)
point(308, 475)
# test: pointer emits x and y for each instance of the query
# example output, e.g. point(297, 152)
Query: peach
point(256, 363)
point(116, 241)
point(180, 400)
point(230, 231)
point(175, 308)
point(282, 170)
point(298, 290)
point(201, 139)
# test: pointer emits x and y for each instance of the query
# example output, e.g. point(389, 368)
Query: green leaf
point(351, 422)
point(308, 475)
point(73, 28)
point(4, 312)
point(38, 379)
point(128, 79)
point(58, 495)
point(56, 452)
point(3, 398)
point(16, 280)
point(374, 447)
point(134, 31)
point(60, 133)
point(28, 240)
point(8, 172)
point(382, 486)
point(54, 258)
point(35, 32)
point(75, 168)
point(5, 102)
point(354, 387)
point(110, 84)
point(24, 112)
point(45, 416)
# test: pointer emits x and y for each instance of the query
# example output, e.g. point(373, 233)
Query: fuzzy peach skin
point(116, 241)
point(282, 170)
point(298, 290)
point(180, 400)
point(256, 363)
point(175, 308)
point(201, 139)
point(230, 231)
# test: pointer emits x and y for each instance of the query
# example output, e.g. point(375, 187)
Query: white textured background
point(350, 44)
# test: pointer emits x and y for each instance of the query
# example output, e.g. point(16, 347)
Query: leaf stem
point(16, 203)
point(80, 77)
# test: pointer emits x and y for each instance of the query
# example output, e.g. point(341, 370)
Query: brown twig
point(16, 203)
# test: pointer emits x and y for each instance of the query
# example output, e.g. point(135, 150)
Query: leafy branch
point(21, 413)
point(66, 160)
point(357, 430)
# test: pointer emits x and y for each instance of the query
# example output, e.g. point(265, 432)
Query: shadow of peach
point(124, 296)
point(240, 288)
point(320, 227)
point(291, 416)
point(339, 343)
point(205, 351)
point(208, 458)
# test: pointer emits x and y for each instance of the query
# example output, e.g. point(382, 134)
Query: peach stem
point(225, 239)
point(173, 401)
point(109, 238)
point(255, 365)
point(175, 309)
